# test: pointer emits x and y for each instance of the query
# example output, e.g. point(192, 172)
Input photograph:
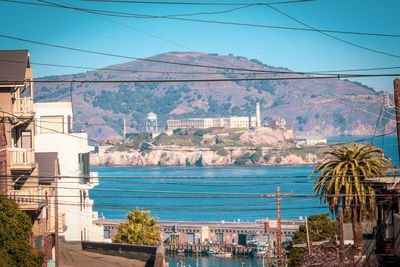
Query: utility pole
point(341, 233)
point(309, 248)
point(397, 108)
point(279, 233)
point(57, 249)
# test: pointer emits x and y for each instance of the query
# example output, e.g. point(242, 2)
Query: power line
point(175, 16)
point(165, 149)
point(334, 37)
point(196, 3)
point(250, 71)
point(161, 178)
point(208, 80)
point(182, 64)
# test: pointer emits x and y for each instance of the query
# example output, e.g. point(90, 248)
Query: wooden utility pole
point(309, 248)
point(397, 105)
point(57, 250)
point(397, 108)
point(341, 233)
point(279, 233)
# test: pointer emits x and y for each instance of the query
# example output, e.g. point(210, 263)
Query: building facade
point(229, 233)
point(19, 169)
point(54, 133)
point(223, 122)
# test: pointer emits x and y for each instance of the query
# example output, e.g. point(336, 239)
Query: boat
point(212, 252)
point(224, 254)
point(260, 251)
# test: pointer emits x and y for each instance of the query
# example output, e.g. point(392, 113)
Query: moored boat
point(224, 254)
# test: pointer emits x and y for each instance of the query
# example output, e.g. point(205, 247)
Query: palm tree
point(341, 181)
point(140, 229)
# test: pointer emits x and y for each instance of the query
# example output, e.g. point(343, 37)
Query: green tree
point(141, 229)
point(341, 181)
point(321, 228)
point(15, 231)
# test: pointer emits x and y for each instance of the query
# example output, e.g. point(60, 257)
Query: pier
point(203, 249)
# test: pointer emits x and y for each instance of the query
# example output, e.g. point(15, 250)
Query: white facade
point(310, 140)
point(224, 122)
point(54, 133)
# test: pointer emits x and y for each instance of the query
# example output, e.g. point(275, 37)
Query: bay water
point(124, 188)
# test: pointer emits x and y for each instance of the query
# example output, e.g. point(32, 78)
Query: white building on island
point(54, 133)
point(223, 122)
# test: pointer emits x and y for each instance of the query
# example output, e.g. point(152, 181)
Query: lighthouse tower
point(258, 115)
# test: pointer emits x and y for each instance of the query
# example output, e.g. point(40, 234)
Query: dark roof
point(48, 166)
point(13, 64)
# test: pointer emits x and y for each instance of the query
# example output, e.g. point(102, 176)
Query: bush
point(255, 157)
point(200, 132)
point(243, 159)
point(15, 232)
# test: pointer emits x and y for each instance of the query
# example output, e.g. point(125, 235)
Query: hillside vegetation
point(312, 107)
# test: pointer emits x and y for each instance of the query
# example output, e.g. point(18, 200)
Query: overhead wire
point(206, 80)
point(198, 3)
point(250, 71)
point(244, 5)
point(332, 36)
point(155, 148)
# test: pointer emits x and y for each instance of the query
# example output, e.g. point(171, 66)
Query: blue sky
point(296, 50)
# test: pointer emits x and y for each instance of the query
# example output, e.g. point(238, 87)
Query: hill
point(311, 107)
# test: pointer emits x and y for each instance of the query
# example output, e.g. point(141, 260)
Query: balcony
point(23, 107)
point(32, 199)
point(62, 226)
point(21, 159)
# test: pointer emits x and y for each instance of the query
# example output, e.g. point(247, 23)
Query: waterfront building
point(54, 133)
point(310, 140)
point(223, 122)
point(229, 233)
point(20, 167)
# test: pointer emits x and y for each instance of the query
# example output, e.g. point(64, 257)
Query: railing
point(31, 199)
point(23, 106)
point(21, 158)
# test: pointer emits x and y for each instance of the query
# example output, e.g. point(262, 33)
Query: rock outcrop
point(187, 156)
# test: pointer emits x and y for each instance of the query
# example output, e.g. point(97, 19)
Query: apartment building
point(19, 170)
point(54, 133)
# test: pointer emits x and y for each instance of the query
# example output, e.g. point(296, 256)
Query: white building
point(224, 122)
point(54, 133)
point(310, 140)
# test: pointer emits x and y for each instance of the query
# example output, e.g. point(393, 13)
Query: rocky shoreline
point(187, 156)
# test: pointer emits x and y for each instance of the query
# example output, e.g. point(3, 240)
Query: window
point(51, 124)
point(84, 167)
point(107, 234)
point(26, 139)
